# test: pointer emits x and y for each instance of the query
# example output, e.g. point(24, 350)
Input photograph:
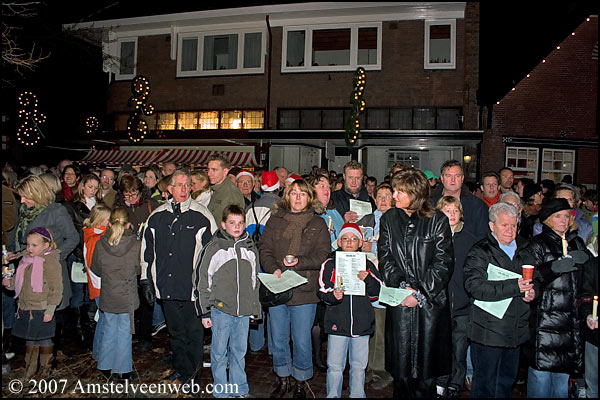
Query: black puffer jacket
point(555, 343)
point(512, 330)
point(418, 251)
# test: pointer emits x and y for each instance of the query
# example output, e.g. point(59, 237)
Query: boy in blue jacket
point(349, 319)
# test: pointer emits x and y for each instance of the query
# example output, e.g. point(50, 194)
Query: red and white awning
point(131, 157)
point(183, 156)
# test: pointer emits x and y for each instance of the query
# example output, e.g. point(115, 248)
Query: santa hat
point(244, 172)
point(293, 178)
point(270, 181)
point(353, 228)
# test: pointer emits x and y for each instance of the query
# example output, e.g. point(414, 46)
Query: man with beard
point(353, 189)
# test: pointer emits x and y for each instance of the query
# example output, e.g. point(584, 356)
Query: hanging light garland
point(29, 132)
point(137, 128)
point(358, 106)
point(91, 125)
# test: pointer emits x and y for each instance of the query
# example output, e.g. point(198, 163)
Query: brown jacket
point(314, 247)
point(51, 295)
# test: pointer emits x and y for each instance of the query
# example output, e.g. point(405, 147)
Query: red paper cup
point(528, 271)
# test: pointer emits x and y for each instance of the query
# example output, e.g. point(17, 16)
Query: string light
point(137, 128)
point(358, 106)
point(91, 125)
point(28, 132)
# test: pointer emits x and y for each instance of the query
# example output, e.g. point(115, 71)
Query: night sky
point(514, 38)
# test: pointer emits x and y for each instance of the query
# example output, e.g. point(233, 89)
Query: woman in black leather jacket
point(555, 347)
point(415, 252)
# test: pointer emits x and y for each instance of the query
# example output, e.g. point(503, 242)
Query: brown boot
point(31, 361)
point(283, 387)
point(45, 359)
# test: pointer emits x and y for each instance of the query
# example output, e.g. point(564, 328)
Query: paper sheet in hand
point(497, 308)
point(393, 296)
point(347, 265)
point(362, 208)
point(289, 279)
point(78, 274)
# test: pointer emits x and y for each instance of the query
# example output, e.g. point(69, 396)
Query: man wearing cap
point(431, 177)
point(257, 215)
point(224, 191)
point(245, 182)
point(475, 211)
point(353, 189)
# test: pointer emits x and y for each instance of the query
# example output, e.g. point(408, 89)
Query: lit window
point(165, 121)
point(523, 161)
point(440, 44)
point(410, 159)
point(557, 163)
point(209, 120)
point(187, 120)
point(254, 119)
point(231, 119)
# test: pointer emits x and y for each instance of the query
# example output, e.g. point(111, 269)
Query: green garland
point(358, 105)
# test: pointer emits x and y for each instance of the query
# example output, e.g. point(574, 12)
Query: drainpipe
point(268, 108)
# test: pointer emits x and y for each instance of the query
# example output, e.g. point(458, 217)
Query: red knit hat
point(293, 178)
point(350, 227)
point(270, 181)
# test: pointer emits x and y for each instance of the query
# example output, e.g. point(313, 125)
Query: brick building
point(275, 81)
point(547, 127)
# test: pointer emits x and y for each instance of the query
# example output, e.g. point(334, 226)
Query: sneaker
point(158, 328)
point(9, 356)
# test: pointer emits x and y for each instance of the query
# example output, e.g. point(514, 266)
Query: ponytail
point(118, 221)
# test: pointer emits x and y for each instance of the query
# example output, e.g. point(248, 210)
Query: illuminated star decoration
point(29, 131)
point(137, 128)
point(358, 106)
point(91, 125)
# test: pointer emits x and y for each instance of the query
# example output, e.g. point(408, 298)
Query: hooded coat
point(418, 251)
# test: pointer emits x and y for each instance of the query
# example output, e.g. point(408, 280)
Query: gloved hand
point(579, 256)
point(147, 289)
point(563, 265)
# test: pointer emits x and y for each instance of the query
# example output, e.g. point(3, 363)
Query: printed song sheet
point(347, 265)
point(289, 279)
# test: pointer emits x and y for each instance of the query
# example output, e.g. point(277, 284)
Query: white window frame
point(308, 29)
point(545, 172)
point(240, 70)
point(452, 63)
point(520, 169)
point(118, 75)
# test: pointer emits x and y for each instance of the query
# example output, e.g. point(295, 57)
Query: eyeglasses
point(352, 239)
point(69, 173)
point(180, 185)
point(131, 195)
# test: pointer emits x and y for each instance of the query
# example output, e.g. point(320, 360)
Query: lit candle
point(565, 245)
point(595, 308)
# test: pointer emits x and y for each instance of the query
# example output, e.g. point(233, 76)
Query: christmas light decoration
point(91, 125)
point(358, 106)
point(29, 132)
point(137, 128)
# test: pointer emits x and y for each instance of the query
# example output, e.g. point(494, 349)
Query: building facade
point(277, 80)
point(547, 126)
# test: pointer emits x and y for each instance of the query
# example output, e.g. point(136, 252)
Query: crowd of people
point(121, 251)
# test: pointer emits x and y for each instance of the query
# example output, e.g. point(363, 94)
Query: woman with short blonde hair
point(34, 188)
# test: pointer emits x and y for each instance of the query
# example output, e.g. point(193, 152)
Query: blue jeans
point(78, 290)
point(357, 350)
point(9, 308)
point(158, 317)
point(547, 384)
point(115, 354)
point(494, 370)
point(296, 321)
point(256, 337)
point(98, 333)
point(591, 370)
point(229, 344)
point(469, 363)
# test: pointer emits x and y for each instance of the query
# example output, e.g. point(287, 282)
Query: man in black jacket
point(174, 237)
point(353, 189)
point(496, 339)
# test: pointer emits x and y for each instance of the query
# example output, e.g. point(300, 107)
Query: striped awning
point(183, 156)
point(200, 157)
point(131, 157)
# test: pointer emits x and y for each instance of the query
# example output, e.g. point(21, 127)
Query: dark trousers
point(411, 388)
point(494, 370)
point(186, 336)
point(145, 316)
point(459, 354)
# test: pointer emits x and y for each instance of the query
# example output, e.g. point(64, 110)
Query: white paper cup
point(290, 258)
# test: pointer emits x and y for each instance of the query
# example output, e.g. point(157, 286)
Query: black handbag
point(270, 299)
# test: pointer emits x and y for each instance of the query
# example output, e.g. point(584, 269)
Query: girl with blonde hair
point(116, 260)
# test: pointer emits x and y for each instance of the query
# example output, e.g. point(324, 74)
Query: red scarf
point(491, 202)
point(68, 191)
